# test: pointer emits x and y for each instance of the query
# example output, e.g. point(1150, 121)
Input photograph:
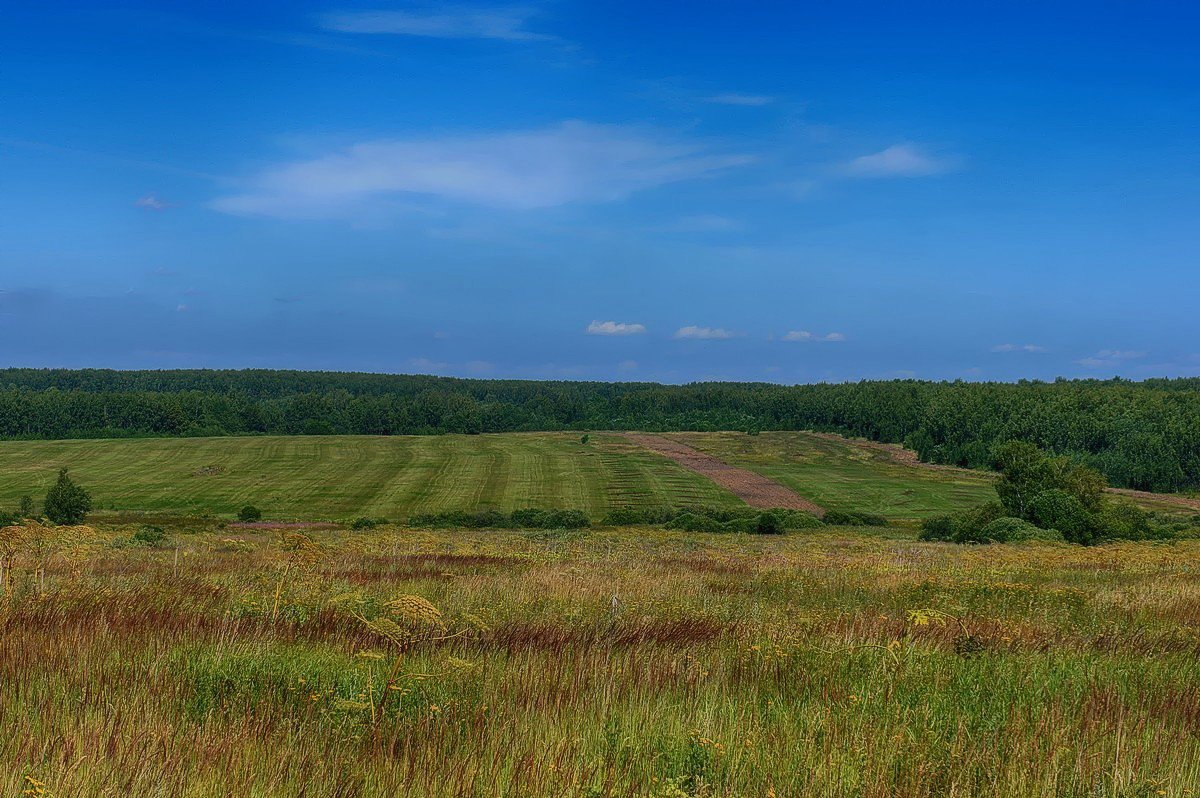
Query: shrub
point(249, 514)
point(363, 522)
point(529, 518)
point(768, 524)
point(692, 522)
point(1057, 509)
point(635, 516)
point(67, 503)
point(148, 535)
point(846, 518)
point(969, 524)
point(1123, 520)
point(937, 528)
point(25, 508)
point(963, 527)
point(1016, 530)
point(567, 519)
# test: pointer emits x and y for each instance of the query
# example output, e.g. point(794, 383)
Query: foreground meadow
point(621, 662)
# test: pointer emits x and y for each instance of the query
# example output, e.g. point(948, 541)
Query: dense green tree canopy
point(1142, 435)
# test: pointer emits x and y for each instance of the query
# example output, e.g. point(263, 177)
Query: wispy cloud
point(569, 163)
point(1018, 348)
point(508, 24)
point(615, 328)
point(902, 160)
point(694, 333)
point(749, 100)
point(152, 202)
point(1107, 358)
point(699, 223)
point(805, 335)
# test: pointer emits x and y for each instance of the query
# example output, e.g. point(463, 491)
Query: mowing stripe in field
point(314, 477)
point(838, 475)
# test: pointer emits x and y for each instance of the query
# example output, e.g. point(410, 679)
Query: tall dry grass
point(610, 663)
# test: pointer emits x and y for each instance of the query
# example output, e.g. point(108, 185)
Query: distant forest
point(1142, 435)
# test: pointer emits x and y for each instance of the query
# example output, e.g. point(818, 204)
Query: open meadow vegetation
point(334, 477)
point(604, 662)
point(686, 614)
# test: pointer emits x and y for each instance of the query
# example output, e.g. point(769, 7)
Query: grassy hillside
point(343, 476)
point(839, 475)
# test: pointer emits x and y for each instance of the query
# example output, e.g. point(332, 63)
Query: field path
point(754, 489)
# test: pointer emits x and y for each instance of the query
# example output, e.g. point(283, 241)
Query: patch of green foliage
point(1060, 498)
point(149, 535)
point(529, 518)
point(249, 514)
point(66, 503)
point(852, 518)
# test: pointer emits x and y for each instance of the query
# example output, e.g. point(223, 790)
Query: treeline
point(1142, 435)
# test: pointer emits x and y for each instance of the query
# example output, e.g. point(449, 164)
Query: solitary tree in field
point(66, 503)
point(25, 507)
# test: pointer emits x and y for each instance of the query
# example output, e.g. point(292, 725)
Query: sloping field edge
point(752, 488)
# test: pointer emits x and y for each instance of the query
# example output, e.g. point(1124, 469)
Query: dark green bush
point(768, 524)
point(249, 514)
point(1057, 509)
point(530, 518)
point(937, 528)
point(66, 503)
point(962, 527)
point(638, 516)
point(1016, 530)
point(148, 535)
point(853, 518)
point(363, 522)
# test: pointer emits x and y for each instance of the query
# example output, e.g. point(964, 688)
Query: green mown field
point(840, 475)
point(335, 477)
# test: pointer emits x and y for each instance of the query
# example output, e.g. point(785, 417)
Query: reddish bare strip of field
point(754, 489)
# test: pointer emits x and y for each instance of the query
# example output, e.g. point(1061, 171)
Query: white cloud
point(508, 24)
point(750, 100)
point(805, 335)
point(1110, 358)
point(615, 328)
point(902, 160)
point(568, 163)
point(699, 223)
point(1018, 348)
point(426, 366)
point(151, 202)
point(694, 333)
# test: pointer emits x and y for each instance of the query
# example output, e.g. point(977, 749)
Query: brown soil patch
point(754, 489)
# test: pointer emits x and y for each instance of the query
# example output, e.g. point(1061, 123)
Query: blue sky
point(787, 192)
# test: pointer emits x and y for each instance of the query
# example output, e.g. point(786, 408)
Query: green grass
point(313, 477)
point(616, 663)
point(838, 475)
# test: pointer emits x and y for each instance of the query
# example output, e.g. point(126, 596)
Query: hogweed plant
point(407, 621)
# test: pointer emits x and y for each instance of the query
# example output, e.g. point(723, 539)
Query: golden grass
point(609, 663)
